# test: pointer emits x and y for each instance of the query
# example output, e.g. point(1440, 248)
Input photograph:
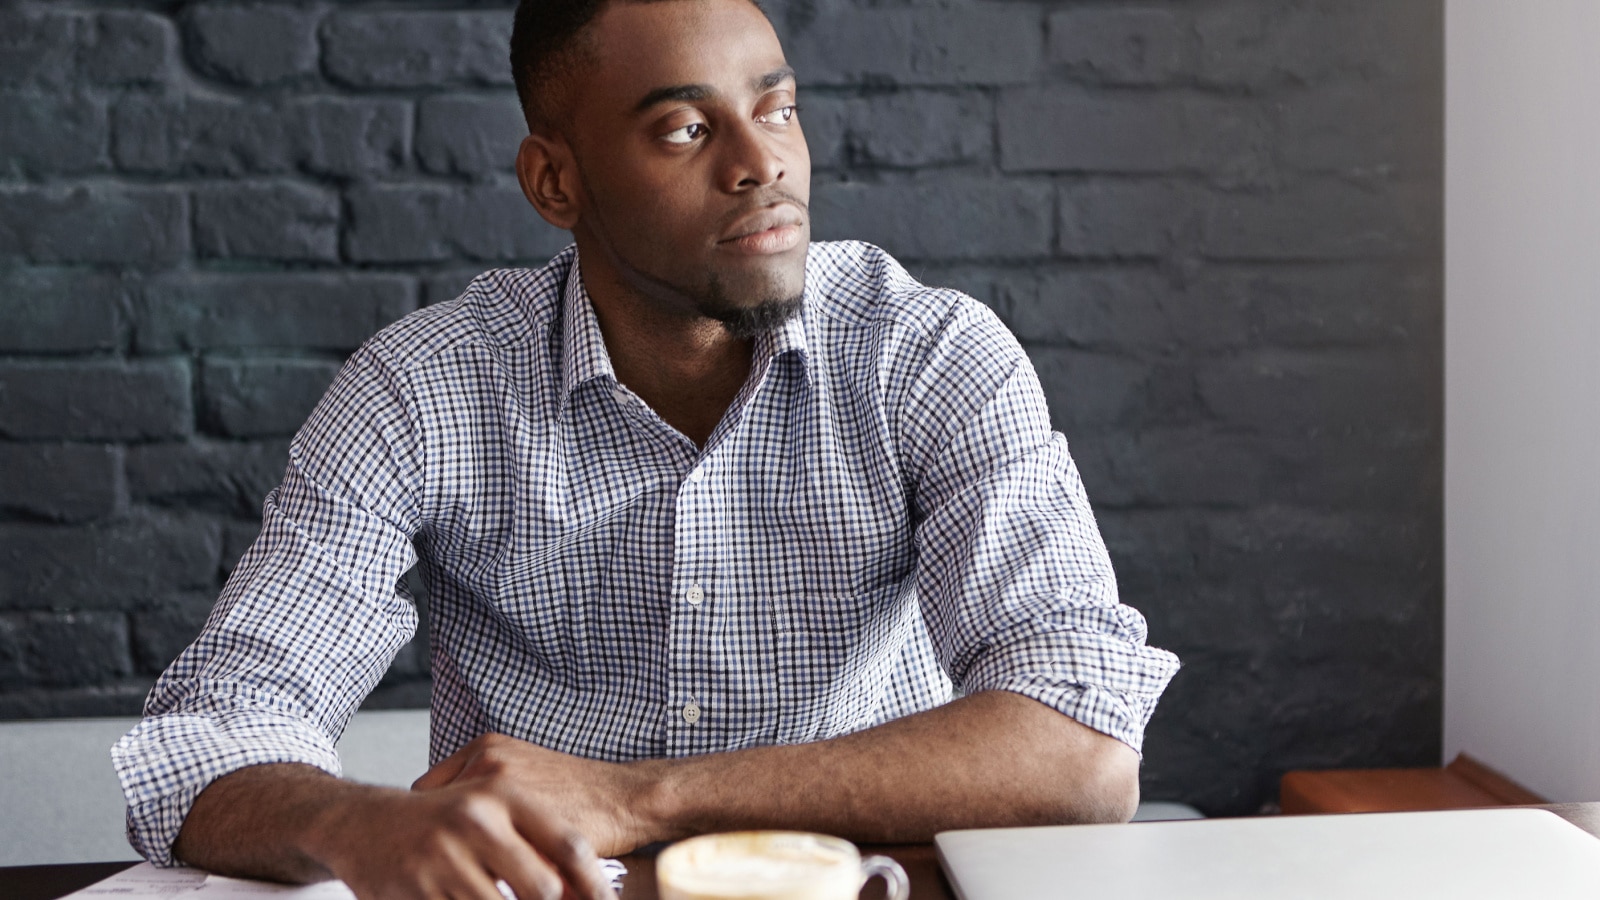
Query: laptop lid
point(1457, 854)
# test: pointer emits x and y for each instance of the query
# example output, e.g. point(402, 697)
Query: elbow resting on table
point(1098, 787)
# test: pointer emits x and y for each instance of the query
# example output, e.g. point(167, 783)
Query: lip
point(770, 230)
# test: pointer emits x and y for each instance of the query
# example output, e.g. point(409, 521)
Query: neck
point(687, 367)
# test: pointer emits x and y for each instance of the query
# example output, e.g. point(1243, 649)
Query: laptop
point(1457, 854)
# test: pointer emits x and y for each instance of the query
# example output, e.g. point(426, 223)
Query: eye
point(780, 116)
point(686, 134)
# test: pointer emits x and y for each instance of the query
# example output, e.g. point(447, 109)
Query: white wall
point(1522, 390)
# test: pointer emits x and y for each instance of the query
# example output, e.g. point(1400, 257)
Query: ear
point(549, 178)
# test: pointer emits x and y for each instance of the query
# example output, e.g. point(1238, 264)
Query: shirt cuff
point(166, 761)
point(1100, 680)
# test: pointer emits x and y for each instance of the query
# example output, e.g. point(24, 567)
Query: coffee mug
point(772, 865)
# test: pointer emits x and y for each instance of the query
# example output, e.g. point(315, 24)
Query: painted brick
point(1402, 133)
point(1319, 305)
point(1090, 308)
point(200, 134)
point(348, 138)
point(1051, 129)
point(402, 49)
point(439, 287)
point(1151, 549)
point(109, 565)
point(1173, 467)
point(253, 44)
point(163, 628)
point(1121, 46)
point(410, 694)
point(469, 134)
point(237, 536)
point(1396, 469)
point(95, 400)
point(981, 283)
point(906, 129)
point(216, 476)
point(1245, 44)
point(410, 664)
point(59, 311)
point(262, 397)
point(433, 223)
point(1282, 545)
point(53, 134)
point(1297, 392)
point(62, 482)
point(962, 45)
point(122, 698)
point(1087, 391)
point(210, 135)
point(1099, 219)
point(1321, 219)
point(319, 311)
point(63, 649)
point(938, 218)
point(278, 221)
point(131, 47)
point(98, 224)
point(39, 49)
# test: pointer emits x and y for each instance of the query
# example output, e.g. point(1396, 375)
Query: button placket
point(693, 570)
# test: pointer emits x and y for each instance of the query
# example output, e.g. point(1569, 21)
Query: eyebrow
point(695, 92)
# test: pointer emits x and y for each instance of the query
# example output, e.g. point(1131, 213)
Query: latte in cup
point(770, 865)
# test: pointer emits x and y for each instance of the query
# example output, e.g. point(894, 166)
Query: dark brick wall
point(1214, 224)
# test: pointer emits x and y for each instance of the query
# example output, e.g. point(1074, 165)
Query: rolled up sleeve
point(304, 629)
point(1015, 582)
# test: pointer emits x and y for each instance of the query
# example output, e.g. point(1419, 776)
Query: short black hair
point(544, 49)
point(547, 48)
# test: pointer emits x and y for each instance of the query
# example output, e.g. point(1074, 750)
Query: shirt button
point(691, 713)
point(696, 475)
point(695, 595)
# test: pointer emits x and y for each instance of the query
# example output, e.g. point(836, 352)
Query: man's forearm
point(255, 822)
point(991, 759)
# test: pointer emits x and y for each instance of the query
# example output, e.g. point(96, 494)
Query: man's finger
point(530, 876)
point(446, 770)
point(476, 885)
point(567, 849)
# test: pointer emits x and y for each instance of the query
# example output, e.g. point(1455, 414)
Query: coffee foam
point(760, 864)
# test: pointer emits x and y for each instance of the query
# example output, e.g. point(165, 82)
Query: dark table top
point(920, 862)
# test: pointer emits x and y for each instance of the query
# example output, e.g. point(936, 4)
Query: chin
point(748, 306)
point(774, 279)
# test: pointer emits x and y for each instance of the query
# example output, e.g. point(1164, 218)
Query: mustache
point(768, 197)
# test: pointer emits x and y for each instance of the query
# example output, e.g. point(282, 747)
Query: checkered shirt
point(883, 510)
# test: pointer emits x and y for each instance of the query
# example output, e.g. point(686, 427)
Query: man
point(708, 514)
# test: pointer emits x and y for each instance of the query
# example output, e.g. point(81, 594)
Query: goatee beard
point(748, 322)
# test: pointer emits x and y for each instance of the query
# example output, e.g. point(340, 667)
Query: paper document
point(147, 881)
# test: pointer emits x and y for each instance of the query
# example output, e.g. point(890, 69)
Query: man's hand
point(596, 799)
point(296, 823)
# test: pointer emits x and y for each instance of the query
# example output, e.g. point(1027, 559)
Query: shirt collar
point(583, 348)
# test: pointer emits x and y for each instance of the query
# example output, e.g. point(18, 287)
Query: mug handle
point(899, 886)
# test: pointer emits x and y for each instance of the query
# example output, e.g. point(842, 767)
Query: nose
point(755, 158)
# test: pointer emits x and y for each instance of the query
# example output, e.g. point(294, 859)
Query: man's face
point(695, 172)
